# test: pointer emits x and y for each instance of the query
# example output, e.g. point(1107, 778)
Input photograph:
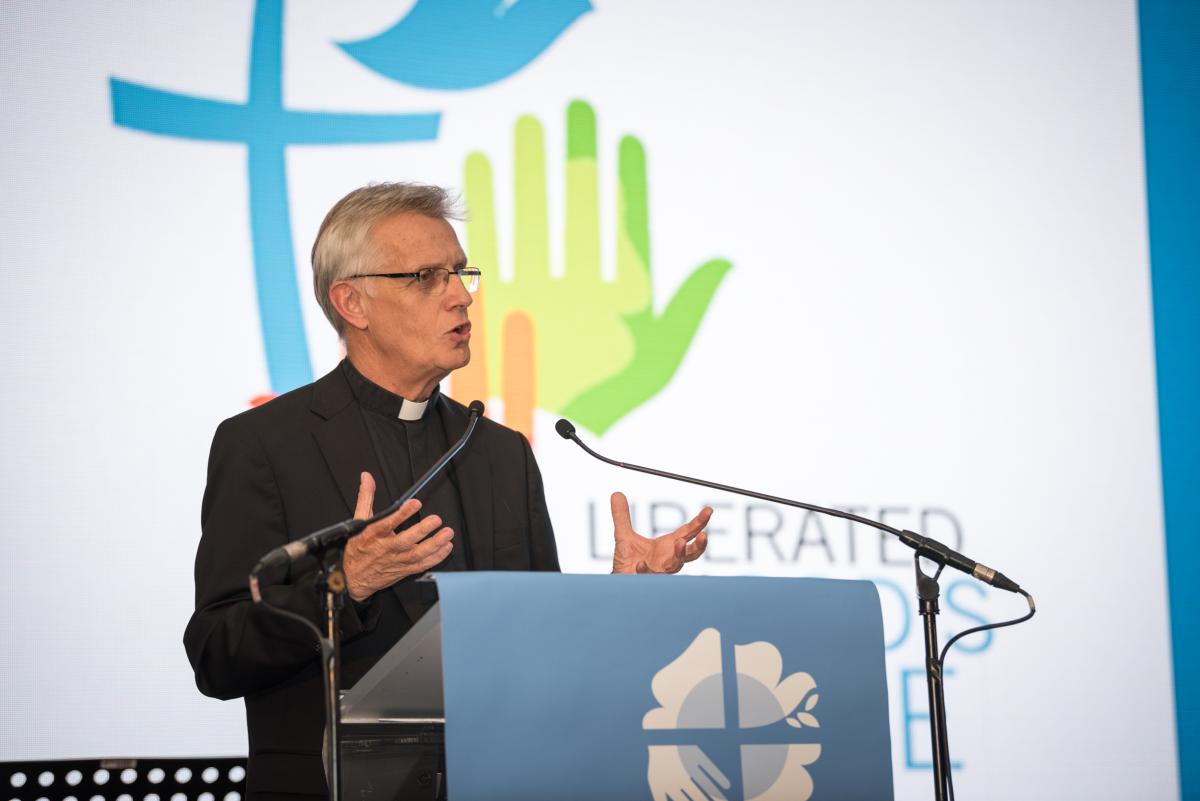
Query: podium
point(548, 686)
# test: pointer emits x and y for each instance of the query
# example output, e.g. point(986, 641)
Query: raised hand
point(633, 553)
point(380, 556)
point(573, 344)
point(659, 340)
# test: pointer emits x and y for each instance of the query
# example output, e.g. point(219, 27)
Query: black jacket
point(289, 467)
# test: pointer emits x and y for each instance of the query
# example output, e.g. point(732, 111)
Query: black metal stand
point(928, 591)
point(332, 585)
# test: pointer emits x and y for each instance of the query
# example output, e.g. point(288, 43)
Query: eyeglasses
point(434, 280)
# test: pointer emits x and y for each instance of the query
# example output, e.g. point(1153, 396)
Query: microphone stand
point(928, 591)
point(331, 583)
point(331, 586)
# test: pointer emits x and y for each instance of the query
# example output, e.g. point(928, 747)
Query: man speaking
point(392, 278)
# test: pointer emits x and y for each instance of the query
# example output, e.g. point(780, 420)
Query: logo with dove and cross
point(693, 756)
point(561, 338)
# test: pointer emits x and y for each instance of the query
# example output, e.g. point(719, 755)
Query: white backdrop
point(938, 314)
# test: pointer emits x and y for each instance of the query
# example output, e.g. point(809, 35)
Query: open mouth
point(461, 330)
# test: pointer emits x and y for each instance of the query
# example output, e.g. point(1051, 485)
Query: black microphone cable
point(946, 649)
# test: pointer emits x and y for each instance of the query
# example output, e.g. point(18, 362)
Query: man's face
point(420, 329)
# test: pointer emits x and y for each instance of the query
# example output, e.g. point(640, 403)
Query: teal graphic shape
point(465, 44)
point(266, 128)
point(1170, 61)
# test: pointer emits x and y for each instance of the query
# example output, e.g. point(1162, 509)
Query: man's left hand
point(634, 553)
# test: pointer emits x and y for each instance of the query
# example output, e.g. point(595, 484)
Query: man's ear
point(350, 302)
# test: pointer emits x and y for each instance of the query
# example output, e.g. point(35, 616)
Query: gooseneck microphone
point(924, 546)
point(322, 539)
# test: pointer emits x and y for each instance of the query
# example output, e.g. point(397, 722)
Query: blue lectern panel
point(663, 687)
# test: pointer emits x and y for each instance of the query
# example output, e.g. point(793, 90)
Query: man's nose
point(456, 293)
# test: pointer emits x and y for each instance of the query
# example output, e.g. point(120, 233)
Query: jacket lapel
point(344, 441)
point(346, 446)
point(472, 469)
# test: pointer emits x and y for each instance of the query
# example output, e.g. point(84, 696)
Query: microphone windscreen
point(564, 428)
point(476, 407)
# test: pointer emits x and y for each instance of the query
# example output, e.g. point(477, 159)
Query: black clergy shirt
point(405, 450)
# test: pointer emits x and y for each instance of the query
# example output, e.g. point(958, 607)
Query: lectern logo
point(692, 695)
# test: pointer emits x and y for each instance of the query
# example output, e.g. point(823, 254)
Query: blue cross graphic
point(266, 128)
point(455, 46)
point(446, 45)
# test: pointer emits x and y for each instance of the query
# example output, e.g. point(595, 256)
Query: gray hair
point(343, 248)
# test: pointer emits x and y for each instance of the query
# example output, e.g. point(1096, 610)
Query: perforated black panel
point(183, 779)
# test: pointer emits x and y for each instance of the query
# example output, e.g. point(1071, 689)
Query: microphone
point(319, 541)
point(924, 546)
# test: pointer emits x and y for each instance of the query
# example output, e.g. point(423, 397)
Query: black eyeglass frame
point(462, 273)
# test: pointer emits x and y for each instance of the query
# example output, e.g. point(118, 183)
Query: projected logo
point(437, 45)
point(694, 695)
point(576, 345)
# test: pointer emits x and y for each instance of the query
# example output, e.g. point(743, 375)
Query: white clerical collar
point(413, 410)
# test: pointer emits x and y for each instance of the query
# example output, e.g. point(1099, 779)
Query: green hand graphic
point(576, 345)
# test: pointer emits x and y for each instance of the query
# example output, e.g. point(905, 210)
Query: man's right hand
point(380, 556)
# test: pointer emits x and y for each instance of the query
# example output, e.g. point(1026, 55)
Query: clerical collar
point(377, 399)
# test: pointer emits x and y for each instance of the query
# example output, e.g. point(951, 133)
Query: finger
point(622, 526)
point(481, 223)
point(674, 562)
point(471, 381)
point(709, 768)
point(642, 567)
point(678, 549)
point(389, 524)
point(438, 556)
point(441, 541)
point(365, 506)
point(582, 240)
point(707, 787)
point(416, 533)
point(696, 547)
point(693, 527)
point(532, 247)
point(409, 565)
point(633, 264)
point(518, 384)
